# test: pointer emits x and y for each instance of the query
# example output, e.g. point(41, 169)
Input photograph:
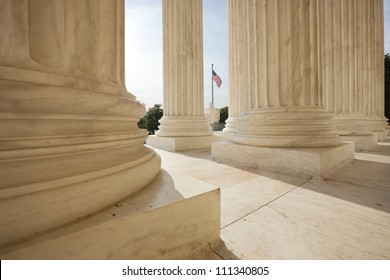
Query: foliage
point(150, 120)
point(387, 86)
point(223, 114)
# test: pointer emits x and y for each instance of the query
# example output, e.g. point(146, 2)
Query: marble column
point(342, 72)
point(183, 125)
point(373, 40)
point(284, 106)
point(69, 141)
point(236, 12)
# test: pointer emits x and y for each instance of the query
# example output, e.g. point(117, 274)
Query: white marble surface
point(170, 218)
point(266, 215)
point(182, 143)
point(307, 224)
point(316, 162)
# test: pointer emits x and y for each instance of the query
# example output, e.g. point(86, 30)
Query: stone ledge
point(362, 142)
point(316, 162)
point(381, 135)
point(162, 221)
point(177, 144)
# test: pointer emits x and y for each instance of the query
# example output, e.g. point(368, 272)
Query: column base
point(316, 162)
point(230, 128)
point(32, 208)
point(63, 157)
point(362, 142)
point(139, 227)
point(177, 144)
point(279, 128)
point(183, 127)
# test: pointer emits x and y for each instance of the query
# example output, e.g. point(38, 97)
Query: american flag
point(217, 79)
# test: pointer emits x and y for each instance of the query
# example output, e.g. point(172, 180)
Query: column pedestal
point(138, 227)
point(230, 129)
point(316, 162)
point(296, 143)
point(181, 134)
point(362, 142)
point(178, 144)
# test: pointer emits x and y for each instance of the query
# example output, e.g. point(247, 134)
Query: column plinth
point(230, 128)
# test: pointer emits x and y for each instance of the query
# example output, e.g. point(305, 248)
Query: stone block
point(381, 135)
point(362, 142)
point(163, 221)
point(177, 144)
point(218, 136)
point(316, 162)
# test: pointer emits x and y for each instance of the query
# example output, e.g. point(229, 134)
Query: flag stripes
point(217, 79)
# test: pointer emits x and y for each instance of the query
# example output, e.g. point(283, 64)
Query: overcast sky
point(143, 60)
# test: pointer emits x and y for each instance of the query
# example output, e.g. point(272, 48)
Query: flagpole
point(212, 85)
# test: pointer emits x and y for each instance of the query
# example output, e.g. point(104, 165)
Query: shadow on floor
point(215, 250)
point(366, 181)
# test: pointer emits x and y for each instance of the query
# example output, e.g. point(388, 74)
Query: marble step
point(170, 218)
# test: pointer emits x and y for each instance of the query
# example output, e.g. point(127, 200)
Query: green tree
point(150, 120)
point(387, 86)
point(223, 114)
point(142, 123)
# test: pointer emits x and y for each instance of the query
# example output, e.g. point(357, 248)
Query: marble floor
point(273, 216)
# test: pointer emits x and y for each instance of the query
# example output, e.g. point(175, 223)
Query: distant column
point(284, 100)
point(373, 45)
point(183, 103)
point(237, 11)
point(183, 70)
point(343, 73)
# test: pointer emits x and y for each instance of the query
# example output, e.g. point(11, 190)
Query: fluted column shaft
point(373, 36)
point(284, 103)
point(61, 45)
point(342, 66)
point(183, 70)
point(236, 16)
point(69, 141)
